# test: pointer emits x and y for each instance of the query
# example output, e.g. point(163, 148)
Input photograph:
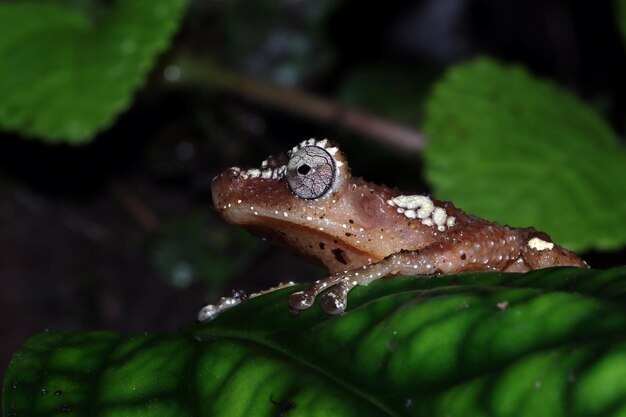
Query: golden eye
point(311, 172)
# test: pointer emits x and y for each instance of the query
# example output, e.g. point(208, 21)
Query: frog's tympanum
point(362, 231)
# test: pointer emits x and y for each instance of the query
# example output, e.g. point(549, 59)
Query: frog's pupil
point(304, 169)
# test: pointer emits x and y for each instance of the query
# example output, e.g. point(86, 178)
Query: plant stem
point(206, 74)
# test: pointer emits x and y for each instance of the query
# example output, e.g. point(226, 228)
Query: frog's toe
point(333, 303)
point(301, 300)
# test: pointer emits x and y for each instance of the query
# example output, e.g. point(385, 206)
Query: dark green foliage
point(550, 342)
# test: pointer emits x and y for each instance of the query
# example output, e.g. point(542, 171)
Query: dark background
point(113, 235)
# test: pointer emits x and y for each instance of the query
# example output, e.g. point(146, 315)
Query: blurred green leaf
point(546, 343)
point(520, 151)
point(64, 75)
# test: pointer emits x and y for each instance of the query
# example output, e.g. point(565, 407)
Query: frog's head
point(310, 172)
point(308, 200)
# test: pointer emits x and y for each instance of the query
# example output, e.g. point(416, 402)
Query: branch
point(206, 74)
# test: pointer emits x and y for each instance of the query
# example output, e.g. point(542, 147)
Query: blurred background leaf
point(65, 75)
point(520, 151)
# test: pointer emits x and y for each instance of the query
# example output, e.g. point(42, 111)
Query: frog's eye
point(311, 172)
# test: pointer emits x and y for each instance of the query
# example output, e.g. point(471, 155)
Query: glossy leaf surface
point(549, 342)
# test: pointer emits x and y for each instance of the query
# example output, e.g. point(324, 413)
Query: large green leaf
point(521, 151)
point(65, 75)
point(546, 343)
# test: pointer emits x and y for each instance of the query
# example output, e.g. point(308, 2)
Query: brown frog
point(362, 231)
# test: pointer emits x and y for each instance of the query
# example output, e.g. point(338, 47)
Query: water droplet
point(172, 73)
point(182, 274)
point(58, 392)
point(185, 151)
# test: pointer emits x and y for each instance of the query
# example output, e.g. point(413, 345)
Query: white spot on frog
point(540, 244)
point(422, 207)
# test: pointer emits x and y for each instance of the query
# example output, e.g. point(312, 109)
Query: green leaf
point(64, 76)
point(518, 150)
point(549, 343)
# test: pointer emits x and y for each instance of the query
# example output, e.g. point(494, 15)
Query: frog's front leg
point(448, 257)
point(335, 300)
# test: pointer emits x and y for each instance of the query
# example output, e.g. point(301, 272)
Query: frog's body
point(362, 231)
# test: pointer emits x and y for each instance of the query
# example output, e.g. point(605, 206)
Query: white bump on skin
point(254, 173)
point(285, 214)
point(411, 201)
point(309, 218)
point(540, 244)
point(238, 201)
point(422, 207)
point(439, 216)
point(425, 211)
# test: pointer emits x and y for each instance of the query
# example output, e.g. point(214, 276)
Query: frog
point(308, 200)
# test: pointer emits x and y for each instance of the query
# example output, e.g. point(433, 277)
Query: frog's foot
point(302, 300)
point(335, 300)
